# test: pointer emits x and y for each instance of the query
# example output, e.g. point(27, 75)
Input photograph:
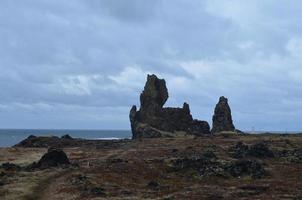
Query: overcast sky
point(83, 63)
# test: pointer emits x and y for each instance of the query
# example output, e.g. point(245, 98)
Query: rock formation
point(152, 119)
point(53, 158)
point(222, 118)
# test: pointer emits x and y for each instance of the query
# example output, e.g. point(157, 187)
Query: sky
point(82, 64)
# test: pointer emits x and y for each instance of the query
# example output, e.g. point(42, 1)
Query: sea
point(10, 137)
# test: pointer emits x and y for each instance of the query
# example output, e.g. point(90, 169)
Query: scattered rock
point(209, 154)
point(293, 156)
point(53, 158)
point(152, 119)
point(10, 167)
point(244, 167)
point(211, 167)
point(186, 163)
point(258, 150)
point(86, 187)
point(79, 179)
point(240, 150)
point(222, 118)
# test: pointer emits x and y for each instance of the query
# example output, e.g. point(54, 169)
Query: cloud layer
point(83, 63)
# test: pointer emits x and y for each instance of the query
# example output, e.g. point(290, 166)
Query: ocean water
point(10, 137)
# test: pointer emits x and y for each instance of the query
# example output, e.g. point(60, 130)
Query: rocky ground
point(224, 166)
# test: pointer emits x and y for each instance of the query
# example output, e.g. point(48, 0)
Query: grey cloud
point(84, 58)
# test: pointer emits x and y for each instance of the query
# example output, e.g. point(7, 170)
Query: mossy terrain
point(204, 167)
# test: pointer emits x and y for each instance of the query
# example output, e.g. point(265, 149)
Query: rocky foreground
point(224, 166)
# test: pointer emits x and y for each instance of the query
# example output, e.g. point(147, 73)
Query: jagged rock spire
point(222, 118)
point(152, 118)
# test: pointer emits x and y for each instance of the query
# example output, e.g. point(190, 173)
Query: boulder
point(222, 118)
point(53, 158)
point(152, 118)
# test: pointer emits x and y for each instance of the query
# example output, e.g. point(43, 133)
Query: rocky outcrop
point(67, 137)
point(222, 118)
point(53, 158)
point(258, 150)
point(152, 120)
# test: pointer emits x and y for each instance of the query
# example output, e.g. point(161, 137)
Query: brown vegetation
point(151, 169)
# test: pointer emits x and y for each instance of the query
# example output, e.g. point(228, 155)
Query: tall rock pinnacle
point(222, 118)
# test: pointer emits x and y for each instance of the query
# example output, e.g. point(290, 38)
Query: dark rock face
point(53, 158)
point(154, 96)
point(152, 119)
point(222, 119)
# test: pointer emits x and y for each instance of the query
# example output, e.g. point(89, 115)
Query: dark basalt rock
point(210, 166)
point(258, 150)
point(240, 150)
point(146, 131)
point(33, 141)
point(86, 187)
point(199, 128)
point(10, 167)
point(246, 168)
point(293, 156)
point(32, 137)
point(152, 119)
point(53, 158)
point(205, 165)
point(68, 137)
point(222, 118)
